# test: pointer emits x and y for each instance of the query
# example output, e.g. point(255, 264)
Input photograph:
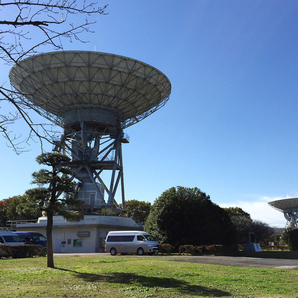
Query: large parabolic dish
point(60, 82)
point(289, 207)
point(93, 96)
point(285, 205)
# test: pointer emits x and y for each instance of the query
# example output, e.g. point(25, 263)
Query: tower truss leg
point(96, 157)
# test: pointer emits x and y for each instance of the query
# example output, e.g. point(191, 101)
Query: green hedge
point(21, 251)
point(215, 249)
point(166, 248)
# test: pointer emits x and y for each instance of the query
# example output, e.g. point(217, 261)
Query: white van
point(9, 238)
point(127, 242)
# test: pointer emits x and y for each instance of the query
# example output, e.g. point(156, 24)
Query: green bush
point(221, 250)
point(293, 239)
point(166, 248)
point(187, 249)
point(21, 251)
point(215, 249)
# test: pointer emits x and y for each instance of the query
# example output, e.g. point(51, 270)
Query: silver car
point(129, 242)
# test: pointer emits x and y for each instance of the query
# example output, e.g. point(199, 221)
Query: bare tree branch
point(25, 27)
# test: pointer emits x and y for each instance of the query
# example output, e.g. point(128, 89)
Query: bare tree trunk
point(50, 255)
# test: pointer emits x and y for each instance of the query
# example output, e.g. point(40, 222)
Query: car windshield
point(12, 238)
point(150, 238)
point(39, 238)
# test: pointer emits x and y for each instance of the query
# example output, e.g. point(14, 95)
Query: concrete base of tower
point(85, 236)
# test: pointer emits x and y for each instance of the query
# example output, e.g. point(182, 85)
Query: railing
point(13, 223)
point(4, 229)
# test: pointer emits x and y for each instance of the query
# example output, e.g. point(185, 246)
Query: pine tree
point(55, 192)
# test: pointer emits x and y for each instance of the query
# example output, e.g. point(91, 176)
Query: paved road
point(215, 260)
point(245, 262)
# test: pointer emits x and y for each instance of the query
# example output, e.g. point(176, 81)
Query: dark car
point(9, 238)
point(32, 238)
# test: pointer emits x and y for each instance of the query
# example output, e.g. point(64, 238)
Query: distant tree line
point(17, 208)
point(178, 216)
point(137, 210)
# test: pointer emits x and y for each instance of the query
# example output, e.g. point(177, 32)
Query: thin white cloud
point(259, 209)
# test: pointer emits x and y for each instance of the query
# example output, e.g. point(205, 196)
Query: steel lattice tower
point(93, 96)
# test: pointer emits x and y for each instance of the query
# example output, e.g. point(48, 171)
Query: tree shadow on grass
point(150, 282)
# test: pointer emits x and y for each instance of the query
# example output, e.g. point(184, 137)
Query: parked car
point(126, 242)
point(31, 237)
point(10, 238)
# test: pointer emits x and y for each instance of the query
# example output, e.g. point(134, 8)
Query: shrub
point(293, 239)
point(215, 249)
point(166, 248)
point(21, 251)
point(221, 250)
point(5, 251)
point(187, 249)
point(200, 250)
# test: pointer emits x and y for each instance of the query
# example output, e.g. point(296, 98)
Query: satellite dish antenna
point(93, 96)
point(289, 207)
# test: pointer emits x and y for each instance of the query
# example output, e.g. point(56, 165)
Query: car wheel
point(113, 251)
point(140, 251)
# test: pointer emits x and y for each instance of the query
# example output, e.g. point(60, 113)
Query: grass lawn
point(132, 276)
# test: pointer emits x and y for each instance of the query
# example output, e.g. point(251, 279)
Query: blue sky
point(230, 126)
